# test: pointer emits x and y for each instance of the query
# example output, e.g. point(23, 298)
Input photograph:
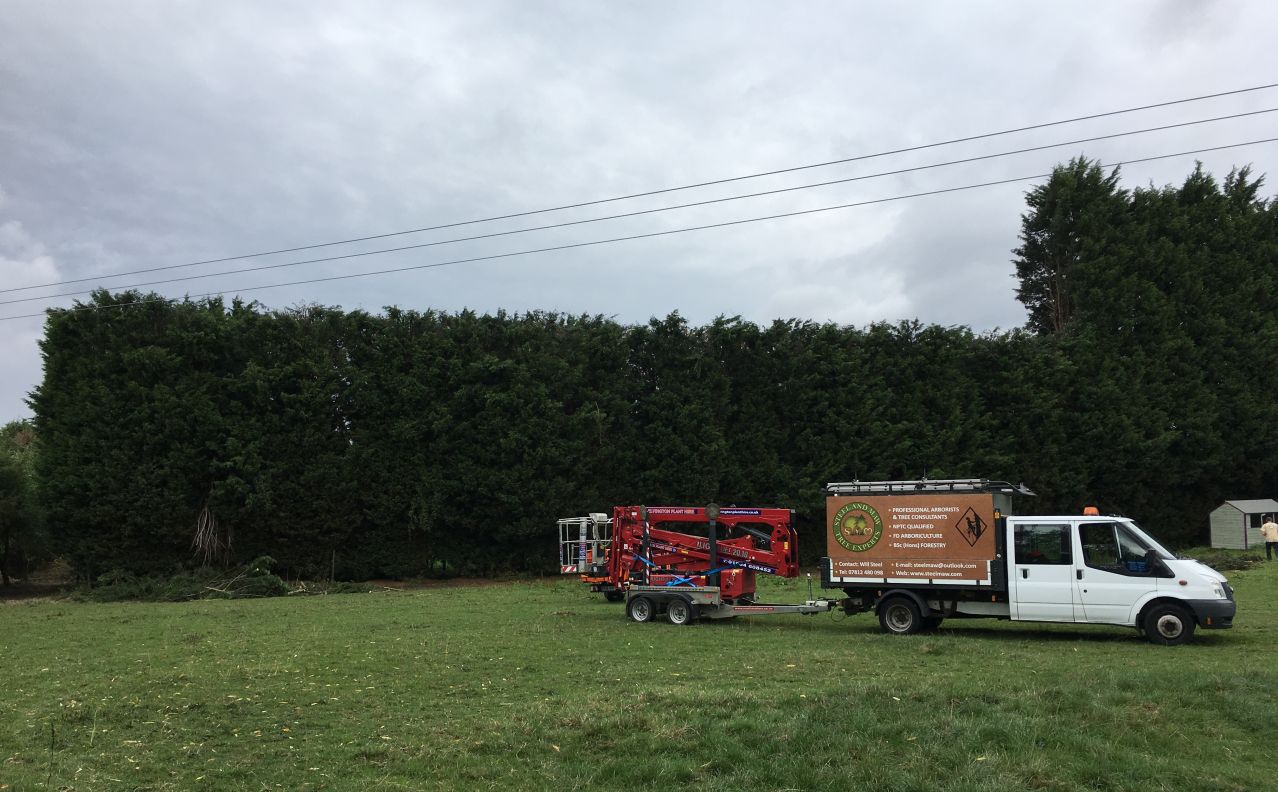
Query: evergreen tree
point(1073, 220)
point(23, 543)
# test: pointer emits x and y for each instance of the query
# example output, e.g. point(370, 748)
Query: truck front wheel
point(1169, 625)
point(900, 616)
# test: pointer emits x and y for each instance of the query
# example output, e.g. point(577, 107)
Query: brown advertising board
point(937, 538)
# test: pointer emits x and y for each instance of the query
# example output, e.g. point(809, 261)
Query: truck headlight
point(1218, 590)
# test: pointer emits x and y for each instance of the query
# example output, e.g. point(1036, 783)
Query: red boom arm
point(749, 540)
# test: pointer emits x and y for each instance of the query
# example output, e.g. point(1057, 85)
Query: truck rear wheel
point(1169, 625)
point(614, 596)
point(900, 616)
point(641, 609)
point(679, 612)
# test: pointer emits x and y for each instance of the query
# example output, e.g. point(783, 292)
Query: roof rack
point(924, 486)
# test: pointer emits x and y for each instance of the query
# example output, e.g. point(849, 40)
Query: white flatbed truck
point(917, 552)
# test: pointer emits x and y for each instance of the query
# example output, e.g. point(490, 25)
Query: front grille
point(1229, 590)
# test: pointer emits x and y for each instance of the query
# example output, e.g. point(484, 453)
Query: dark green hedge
point(415, 443)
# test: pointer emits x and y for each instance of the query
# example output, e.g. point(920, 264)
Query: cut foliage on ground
point(541, 685)
point(251, 581)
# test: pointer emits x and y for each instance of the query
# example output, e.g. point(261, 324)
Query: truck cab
point(1106, 570)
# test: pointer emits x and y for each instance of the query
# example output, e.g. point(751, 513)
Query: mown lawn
point(540, 685)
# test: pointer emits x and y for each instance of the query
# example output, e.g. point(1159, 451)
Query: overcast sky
point(137, 135)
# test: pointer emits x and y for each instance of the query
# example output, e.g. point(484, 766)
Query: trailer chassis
point(686, 604)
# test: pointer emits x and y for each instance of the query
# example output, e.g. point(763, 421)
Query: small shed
point(1236, 523)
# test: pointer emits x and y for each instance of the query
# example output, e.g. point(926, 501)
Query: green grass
point(543, 686)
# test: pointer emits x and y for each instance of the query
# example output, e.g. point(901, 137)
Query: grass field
point(541, 685)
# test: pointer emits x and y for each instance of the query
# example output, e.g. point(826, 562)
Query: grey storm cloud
point(144, 134)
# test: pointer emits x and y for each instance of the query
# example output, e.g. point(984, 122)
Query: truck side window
point(1100, 548)
point(1133, 553)
point(1042, 544)
point(1111, 547)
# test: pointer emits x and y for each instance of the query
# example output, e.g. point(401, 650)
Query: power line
point(647, 235)
point(899, 171)
point(760, 174)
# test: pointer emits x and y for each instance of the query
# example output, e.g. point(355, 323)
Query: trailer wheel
point(679, 612)
point(641, 609)
point(1169, 625)
point(614, 596)
point(900, 616)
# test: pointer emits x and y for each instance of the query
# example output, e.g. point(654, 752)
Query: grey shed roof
point(1254, 506)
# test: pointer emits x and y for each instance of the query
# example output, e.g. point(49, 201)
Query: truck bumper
point(1214, 614)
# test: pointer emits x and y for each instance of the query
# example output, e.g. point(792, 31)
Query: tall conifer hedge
point(176, 433)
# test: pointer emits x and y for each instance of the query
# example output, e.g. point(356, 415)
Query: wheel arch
point(918, 599)
point(664, 598)
point(1143, 607)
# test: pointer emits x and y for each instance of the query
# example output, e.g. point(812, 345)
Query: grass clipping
point(254, 579)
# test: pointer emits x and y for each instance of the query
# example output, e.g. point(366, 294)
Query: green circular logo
point(857, 526)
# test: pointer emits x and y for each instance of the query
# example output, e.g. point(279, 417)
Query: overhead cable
point(650, 235)
point(630, 196)
point(656, 210)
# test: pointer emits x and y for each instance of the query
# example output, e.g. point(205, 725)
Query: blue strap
point(688, 580)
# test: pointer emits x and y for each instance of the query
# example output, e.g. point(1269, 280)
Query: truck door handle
point(1024, 573)
point(1078, 573)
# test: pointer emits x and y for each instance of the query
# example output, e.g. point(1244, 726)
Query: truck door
point(1042, 580)
point(1112, 573)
